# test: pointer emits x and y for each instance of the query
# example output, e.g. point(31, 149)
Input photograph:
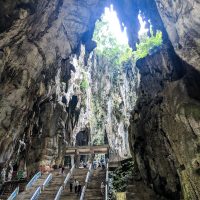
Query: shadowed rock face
point(34, 73)
point(41, 100)
point(164, 131)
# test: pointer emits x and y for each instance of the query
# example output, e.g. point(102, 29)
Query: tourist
point(84, 164)
point(71, 184)
point(102, 188)
point(62, 169)
point(81, 164)
point(76, 183)
point(79, 190)
point(103, 166)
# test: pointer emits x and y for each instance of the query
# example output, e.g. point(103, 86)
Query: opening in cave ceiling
point(112, 40)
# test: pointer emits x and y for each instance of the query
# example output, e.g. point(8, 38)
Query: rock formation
point(44, 103)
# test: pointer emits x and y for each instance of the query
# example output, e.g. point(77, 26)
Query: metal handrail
point(90, 168)
point(87, 177)
point(14, 194)
point(106, 188)
point(68, 176)
point(67, 179)
point(33, 180)
point(59, 193)
point(83, 192)
point(72, 169)
point(36, 194)
point(47, 180)
point(86, 182)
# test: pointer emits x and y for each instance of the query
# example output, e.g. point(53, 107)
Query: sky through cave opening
point(111, 38)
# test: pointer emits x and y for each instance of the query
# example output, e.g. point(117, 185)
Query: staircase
point(26, 195)
point(51, 190)
point(93, 191)
point(10, 186)
point(80, 175)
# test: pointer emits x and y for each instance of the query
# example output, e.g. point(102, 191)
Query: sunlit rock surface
point(106, 100)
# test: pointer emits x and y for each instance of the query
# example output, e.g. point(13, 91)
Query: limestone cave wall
point(39, 106)
point(43, 106)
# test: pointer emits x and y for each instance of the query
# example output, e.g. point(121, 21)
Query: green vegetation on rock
point(84, 83)
point(116, 53)
point(147, 44)
point(121, 176)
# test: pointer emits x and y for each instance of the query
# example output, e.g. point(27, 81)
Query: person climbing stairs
point(79, 174)
point(93, 191)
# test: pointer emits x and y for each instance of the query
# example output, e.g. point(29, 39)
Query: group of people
point(74, 183)
point(84, 164)
point(100, 163)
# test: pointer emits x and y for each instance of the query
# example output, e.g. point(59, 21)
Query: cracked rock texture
point(164, 130)
point(181, 20)
point(35, 70)
point(43, 107)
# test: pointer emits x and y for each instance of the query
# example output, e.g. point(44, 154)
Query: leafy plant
point(117, 54)
point(147, 44)
point(121, 176)
point(108, 46)
point(84, 83)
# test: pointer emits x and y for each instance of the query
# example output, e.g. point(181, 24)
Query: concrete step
point(93, 191)
point(26, 195)
point(80, 175)
point(51, 190)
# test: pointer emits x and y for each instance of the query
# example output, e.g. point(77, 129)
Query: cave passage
point(102, 92)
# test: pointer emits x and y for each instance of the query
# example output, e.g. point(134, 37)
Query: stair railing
point(68, 176)
point(14, 194)
point(47, 180)
point(33, 180)
point(89, 173)
point(83, 192)
point(36, 194)
point(107, 186)
point(59, 193)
